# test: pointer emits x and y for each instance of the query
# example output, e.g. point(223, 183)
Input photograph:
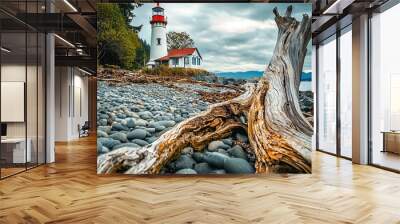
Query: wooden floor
point(70, 191)
point(387, 159)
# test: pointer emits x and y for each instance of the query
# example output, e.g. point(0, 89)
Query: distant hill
point(306, 76)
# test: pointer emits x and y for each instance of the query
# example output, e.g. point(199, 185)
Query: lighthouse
point(158, 46)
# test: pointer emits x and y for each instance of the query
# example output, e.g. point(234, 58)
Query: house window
point(158, 41)
point(186, 60)
point(193, 60)
point(175, 61)
point(198, 61)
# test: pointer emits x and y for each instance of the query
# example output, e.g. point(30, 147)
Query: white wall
point(33, 126)
point(182, 61)
point(12, 73)
point(70, 83)
point(158, 30)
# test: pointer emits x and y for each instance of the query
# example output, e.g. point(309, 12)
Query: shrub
point(164, 70)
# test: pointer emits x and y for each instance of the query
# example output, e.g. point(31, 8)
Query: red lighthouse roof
point(158, 19)
point(158, 15)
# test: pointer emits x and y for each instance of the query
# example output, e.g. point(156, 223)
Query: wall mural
point(207, 89)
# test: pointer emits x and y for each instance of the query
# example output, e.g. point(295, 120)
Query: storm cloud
point(230, 37)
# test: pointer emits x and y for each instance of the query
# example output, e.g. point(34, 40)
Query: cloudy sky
point(230, 37)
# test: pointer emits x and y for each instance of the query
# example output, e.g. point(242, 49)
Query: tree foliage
point(142, 54)
point(118, 44)
point(127, 12)
point(179, 40)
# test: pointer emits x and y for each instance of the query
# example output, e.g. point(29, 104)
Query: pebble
point(237, 166)
point(186, 171)
point(202, 168)
point(105, 129)
point(129, 145)
point(198, 157)
point(227, 141)
point(187, 150)
point(184, 161)
point(218, 172)
point(215, 159)
point(140, 142)
point(237, 152)
point(120, 136)
point(137, 134)
point(242, 138)
point(119, 127)
point(130, 123)
point(214, 145)
point(108, 142)
point(101, 134)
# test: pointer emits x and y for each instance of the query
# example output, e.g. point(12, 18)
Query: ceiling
point(74, 22)
point(331, 15)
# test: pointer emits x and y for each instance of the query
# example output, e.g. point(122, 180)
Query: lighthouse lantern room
point(158, 46)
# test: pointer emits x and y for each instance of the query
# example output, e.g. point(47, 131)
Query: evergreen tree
point(118, 43)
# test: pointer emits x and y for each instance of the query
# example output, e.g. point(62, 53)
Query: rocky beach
point(134, 114)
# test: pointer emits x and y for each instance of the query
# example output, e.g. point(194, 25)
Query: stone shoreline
point(134, 115)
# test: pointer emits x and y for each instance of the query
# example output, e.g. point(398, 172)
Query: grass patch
point(167, 71)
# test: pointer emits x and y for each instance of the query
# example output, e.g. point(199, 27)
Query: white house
point(181, 58)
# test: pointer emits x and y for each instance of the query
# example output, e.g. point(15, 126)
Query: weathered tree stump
point(278, 132)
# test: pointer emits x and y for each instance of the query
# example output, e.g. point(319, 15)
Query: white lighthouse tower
point(158, 46)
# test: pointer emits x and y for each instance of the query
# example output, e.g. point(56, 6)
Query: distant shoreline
point(306, 76)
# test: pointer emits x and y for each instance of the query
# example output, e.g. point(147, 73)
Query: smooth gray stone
point(118, 127)
point(243, 119)
point(198, 157)
point(101, 134)
point(129, 145)
point(119, 136)
point(103, 116)
point(214, 145)
point(140, 142)
point(223, 151)
point(168, 123)
point(102, 150)
point(102, 122)
point(121, 116)
point(186, 171)
point(242, 138)
point(137, 134)
point(218, 172)
point(215, 159)
point(159, 128)
point(108, 142)
point(202, 168)
point(237, 152)
point(106, 129)
point(130, 123)
point(150, 139)
point(151, 130)
point(141, 122)
point(145, 115)
point(238, 166)
point(184, 161)
point(227, 141)
point(187, 150)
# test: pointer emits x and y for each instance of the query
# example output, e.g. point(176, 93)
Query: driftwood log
point(278, 132)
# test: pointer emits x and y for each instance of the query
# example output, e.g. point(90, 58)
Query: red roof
point(177, 53)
